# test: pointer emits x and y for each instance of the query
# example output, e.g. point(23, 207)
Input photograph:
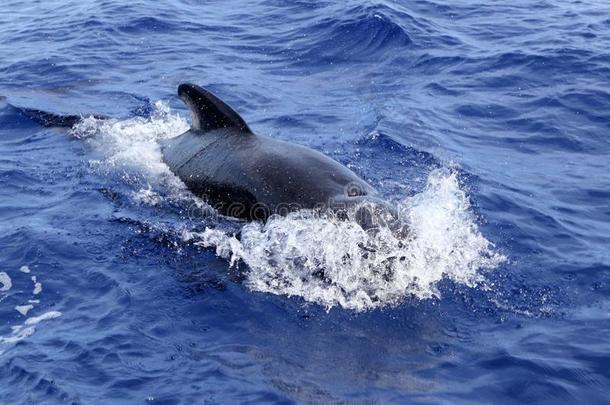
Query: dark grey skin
point(251, 176)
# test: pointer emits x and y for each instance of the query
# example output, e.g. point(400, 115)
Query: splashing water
point(134, 142)
point(324, 260)
point(333, 262)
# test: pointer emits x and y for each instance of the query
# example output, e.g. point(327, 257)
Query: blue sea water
point(488, 121)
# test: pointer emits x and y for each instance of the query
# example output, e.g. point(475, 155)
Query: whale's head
point(369, 211)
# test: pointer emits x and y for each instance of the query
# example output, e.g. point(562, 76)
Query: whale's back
point(251, 176)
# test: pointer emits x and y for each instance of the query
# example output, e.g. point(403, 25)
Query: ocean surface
point(488, 123)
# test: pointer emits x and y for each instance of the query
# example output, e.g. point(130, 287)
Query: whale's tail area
point(52, 120)
point(47, 119)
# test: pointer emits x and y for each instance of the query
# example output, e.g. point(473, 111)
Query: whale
point(250, 176)
point(253, 177)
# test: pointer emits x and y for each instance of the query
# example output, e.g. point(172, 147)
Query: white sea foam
point(5, 282)
point(37, 286)
point(135, 142)
point(20, 332)
point(28, 328)
point(333, 262)
point(24, 309)
point(323, 260)
point(35, 320)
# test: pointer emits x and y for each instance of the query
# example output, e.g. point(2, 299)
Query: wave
point(355, 34)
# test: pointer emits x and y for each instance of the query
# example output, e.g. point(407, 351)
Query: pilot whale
point(251, 176)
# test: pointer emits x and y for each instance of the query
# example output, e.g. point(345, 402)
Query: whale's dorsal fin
point(210, 112)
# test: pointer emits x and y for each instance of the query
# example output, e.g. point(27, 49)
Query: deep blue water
point(489, 120)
